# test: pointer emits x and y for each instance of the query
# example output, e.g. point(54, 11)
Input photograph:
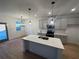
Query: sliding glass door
point(3, 32)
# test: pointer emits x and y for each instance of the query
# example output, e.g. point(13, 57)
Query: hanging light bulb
point(50, 13)
point(52, 22)
point(30, 22)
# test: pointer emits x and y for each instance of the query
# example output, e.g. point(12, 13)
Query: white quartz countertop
point(53, 42)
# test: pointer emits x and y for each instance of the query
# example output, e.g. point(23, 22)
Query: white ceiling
point(19, 8)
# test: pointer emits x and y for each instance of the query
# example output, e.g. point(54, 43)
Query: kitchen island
point(49, 49)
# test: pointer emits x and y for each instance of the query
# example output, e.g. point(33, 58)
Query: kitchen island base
point(45, 51)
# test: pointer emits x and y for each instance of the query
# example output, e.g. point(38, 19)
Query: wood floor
point(71, 51)
point(14, 50)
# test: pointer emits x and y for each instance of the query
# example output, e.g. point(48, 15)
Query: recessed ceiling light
point(73, 9)
point(50, 13)
point(53, 2)
point(29, 9)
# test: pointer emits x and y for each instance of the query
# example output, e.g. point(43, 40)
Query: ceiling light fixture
point(52, 22)
point(50, 13)
point(73, 9)
point(30, 22)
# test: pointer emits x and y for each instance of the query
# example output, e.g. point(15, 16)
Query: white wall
point(32, 28)
point(73, 30)
point(71, 27)
point(73, 34)
point(11, 24)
